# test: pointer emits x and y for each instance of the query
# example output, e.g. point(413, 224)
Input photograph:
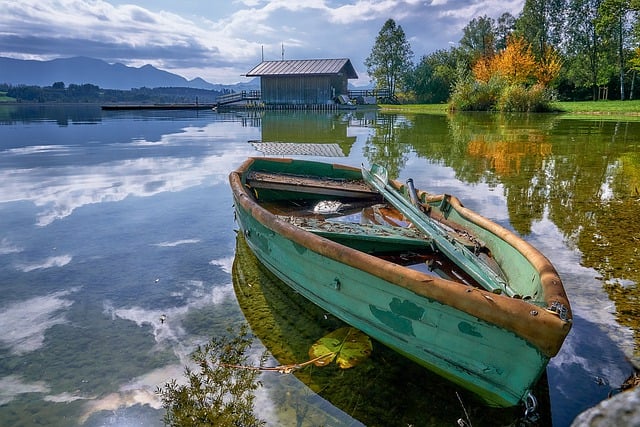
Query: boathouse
point(305, 82)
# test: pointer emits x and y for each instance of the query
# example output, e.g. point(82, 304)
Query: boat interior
point(353, 215)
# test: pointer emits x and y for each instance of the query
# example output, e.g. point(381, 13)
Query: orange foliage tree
point(518, 65)
point(549, 66)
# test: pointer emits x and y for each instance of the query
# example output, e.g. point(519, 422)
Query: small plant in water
point(223, 391)
point(218, 394)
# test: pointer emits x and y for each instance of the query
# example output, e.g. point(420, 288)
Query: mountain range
point(80, 70)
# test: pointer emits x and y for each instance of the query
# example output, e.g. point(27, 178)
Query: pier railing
point(255, 95)
point(377, 93)
point(251, 95)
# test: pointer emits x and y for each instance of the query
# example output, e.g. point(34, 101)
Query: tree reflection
point(386, 146)
point(582, 175)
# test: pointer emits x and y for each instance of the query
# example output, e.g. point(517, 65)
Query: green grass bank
point(584, 109)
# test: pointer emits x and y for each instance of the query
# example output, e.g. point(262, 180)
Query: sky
point(221, 40)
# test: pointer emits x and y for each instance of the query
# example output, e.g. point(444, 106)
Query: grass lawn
point(415, 108)
point(5, 98)
point(601, 107)
point(585, 109)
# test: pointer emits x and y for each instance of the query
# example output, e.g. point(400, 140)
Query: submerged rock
point(623, 409)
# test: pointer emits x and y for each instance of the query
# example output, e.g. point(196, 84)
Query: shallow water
point(109, 220)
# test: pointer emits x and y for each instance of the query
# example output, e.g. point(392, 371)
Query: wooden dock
point(158, 106)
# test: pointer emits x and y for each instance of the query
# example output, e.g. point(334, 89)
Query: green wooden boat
point(420, 273)
point(386, 389)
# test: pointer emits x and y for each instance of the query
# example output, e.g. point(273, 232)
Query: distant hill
point(81, 70)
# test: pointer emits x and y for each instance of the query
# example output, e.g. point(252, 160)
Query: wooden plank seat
point(315, 185)
point(377, 238)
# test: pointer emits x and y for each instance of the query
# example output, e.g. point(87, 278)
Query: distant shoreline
point(115, 106)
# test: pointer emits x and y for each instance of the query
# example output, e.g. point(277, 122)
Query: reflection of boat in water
point(386, 390)
point(490, 323)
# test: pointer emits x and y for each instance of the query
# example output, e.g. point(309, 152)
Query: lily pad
point(347, 346)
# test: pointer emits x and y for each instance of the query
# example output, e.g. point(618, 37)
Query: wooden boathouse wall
point(313, 82)
point(305, 90)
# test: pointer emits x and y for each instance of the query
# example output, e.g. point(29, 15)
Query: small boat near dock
point(420, 273)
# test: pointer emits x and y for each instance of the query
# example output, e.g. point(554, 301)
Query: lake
point(110, 220)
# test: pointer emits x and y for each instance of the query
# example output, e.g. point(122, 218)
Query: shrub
point(219, 394)
point(470, 95)
point(518, 98)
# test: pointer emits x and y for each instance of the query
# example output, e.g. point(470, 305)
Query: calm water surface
point(108, 220)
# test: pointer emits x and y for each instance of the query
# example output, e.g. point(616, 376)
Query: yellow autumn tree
point(518, 65)
point(548, 66)
point(483, 69)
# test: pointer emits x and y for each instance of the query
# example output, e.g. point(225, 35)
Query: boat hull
point(385, 302)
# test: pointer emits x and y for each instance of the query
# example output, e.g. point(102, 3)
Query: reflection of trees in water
point(386, 145)
point(510, 150)
point(585, 175)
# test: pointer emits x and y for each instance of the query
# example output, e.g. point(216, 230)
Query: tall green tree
point(505, 25)
point(433, 76)
point(587, 57)
point(391, 58)
point(541, 23)
point(479, 37)
point(615, 23)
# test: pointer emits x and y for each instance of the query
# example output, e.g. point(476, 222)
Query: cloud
point(225, 264)
point(126, 33)
point(222, 43)
point(177, 243)
point(25, 322)
point(12, 386)
point(6, 247)
point(59, 190)
point(166, 332)
point(56, 261)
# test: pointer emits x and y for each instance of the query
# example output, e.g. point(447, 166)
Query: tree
point(613, 23)
point(511, 80)
point(549, 66)
point(541, 23)
point(587, 59)
point(516, 64)
point(433, 76)
point(479, 37)
point(390, 59)
point(504, 27)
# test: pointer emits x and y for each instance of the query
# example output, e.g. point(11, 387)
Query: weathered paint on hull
point(494, 363)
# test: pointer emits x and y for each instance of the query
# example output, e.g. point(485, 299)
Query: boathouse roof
point(308, 67)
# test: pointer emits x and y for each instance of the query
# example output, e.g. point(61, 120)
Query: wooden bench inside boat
point(311, 184)
point(376, 237)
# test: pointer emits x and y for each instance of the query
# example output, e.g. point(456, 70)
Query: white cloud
point(50, 262)
point(6, 247)
point(12, 386)
point(222, 42)
point(177, 243)
point(224, 263)
point(25, 322)
point(167, 330)
point(58, 191)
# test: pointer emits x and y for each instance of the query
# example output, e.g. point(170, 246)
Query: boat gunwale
point(552, 288)
point(542, 328)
